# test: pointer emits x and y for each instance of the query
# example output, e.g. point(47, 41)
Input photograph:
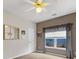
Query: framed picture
point(23, 32)
point(10, 32)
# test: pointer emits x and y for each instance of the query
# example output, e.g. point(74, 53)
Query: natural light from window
point(55, 39)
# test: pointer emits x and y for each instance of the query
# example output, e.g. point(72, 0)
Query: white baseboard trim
point(21, 54)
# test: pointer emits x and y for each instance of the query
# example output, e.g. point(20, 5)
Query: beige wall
point(71, 18)
point(26, 44)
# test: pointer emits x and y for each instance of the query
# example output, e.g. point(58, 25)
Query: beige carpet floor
point(39, 56)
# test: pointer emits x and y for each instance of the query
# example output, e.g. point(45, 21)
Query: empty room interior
point(39, 29)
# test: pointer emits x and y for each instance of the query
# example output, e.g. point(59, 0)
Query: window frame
point(56, 26)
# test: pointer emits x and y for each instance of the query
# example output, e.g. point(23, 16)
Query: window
point(10, 32)
point(55, 37)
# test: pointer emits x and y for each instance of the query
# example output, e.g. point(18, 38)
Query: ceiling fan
point(38, 5)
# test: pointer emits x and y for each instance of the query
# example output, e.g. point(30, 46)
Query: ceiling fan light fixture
point(39, 6)
point(38, 10)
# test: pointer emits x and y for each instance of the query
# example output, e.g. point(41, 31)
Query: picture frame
point(22, 32)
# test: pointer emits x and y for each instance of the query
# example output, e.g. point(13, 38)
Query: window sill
point(55, 48)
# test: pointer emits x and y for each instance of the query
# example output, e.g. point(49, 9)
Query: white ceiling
point(55, 8)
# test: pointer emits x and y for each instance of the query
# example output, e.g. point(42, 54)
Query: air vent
point(53, 14)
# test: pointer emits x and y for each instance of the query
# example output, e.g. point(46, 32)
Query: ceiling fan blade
point(39, 1)
point(29, 9)
point(28, 1)
point(45, 4)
